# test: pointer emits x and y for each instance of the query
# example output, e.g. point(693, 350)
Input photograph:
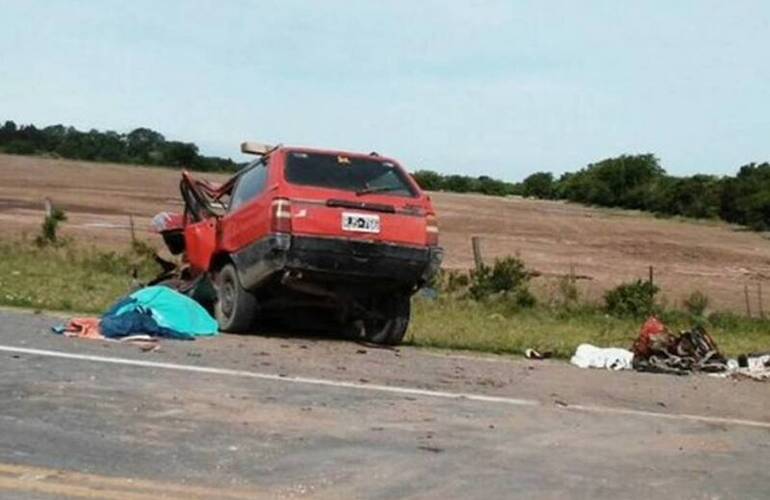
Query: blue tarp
point(159, 311)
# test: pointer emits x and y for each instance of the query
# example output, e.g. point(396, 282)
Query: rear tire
point(235, 308)
point(390, 321)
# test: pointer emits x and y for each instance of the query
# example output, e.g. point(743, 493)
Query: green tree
point(459, 183)
point(429, 180)
point(7, 132)
point(144, 145)
point(745, 199)
point(697, 196)
point(625, 181)
point(179, 154)
point(539, 185)
point(492, 187)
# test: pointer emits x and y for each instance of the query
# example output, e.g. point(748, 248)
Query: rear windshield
point(362, 175)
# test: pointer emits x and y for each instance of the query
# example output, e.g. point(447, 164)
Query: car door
point(248, 217)
point(200, 231)
point(201, 242)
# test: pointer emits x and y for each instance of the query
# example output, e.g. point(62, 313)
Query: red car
point(303, 230)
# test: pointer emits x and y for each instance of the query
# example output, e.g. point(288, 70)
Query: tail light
point(431, 230)
point(280, 221)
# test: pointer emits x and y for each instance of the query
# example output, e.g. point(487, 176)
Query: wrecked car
point(303, 231)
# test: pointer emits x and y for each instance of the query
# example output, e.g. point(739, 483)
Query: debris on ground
point(533, 354)
point(86, 328)
point(658, 350)
point(611, 358)
point(152, 312)
point(89, 328)
point(754, 366)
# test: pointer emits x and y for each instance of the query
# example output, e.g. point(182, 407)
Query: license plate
point(362, 223)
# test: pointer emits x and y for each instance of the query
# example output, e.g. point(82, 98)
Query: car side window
point(249, 186)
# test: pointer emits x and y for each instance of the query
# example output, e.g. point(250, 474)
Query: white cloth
point(758, 368)
point(759, 363)
point(611, 358)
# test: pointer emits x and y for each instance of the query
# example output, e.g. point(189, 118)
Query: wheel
point(389, 320)
point(235, 308)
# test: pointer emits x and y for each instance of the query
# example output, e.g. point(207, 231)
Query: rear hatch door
point(360, 198)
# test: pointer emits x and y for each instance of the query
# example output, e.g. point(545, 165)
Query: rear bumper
point(337, 259)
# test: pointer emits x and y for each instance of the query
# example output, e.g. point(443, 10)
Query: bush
point(567, 294)
point(48, 230)
point(451, 281)
point(635, 299)
point(507, 276)
point(697, 303)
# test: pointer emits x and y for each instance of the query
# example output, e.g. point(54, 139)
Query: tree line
point(637, 182)
point(141, 146)
point(433, 181)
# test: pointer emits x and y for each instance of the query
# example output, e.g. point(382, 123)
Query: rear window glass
point(362, 175)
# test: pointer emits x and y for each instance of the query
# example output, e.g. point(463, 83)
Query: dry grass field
point(607, 246)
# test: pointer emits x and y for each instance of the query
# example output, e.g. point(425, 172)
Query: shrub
point(634, 299)
point(452, 281)
point(48, 230)
point(697, 303)
point(507, 276)
point(567, 293)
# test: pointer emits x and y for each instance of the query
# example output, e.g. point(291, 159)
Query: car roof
point(336, 152)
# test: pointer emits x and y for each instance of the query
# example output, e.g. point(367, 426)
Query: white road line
point(672, 416)
point(411, 391)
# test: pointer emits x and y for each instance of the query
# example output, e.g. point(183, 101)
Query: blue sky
point(500, 88)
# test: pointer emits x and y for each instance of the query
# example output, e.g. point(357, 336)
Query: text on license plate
point(363, 223)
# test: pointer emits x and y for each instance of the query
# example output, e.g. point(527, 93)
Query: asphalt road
point(253, 417)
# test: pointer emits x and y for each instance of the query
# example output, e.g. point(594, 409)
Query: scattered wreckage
point(300, 231)
point(658, 350)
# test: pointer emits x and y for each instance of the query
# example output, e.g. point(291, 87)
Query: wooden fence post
point(759, 297)
point(131, 227)
point(477, 258)
point(748, 304)
point(652, 290)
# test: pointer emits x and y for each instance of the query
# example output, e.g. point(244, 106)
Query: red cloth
point(651, 330)
point(87, 328)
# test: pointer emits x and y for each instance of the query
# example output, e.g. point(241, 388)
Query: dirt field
point(609, 246)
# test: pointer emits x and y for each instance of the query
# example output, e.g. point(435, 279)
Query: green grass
point(465, 324)
point(67, 277)
point(87, 280)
